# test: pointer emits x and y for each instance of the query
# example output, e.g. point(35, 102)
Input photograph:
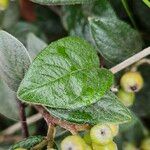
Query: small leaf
point(65, 75)
point(61, 2)
point(34, 45)
point(8, 104)
point(115, 40)
point(107, 110)
point(28, 143)
point(14, 60)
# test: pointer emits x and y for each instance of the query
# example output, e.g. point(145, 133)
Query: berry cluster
point(130, 82)
point(100, 137)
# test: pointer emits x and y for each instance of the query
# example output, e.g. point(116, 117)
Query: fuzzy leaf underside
point(14, 60)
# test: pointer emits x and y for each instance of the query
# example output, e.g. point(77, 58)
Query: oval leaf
point(65, 75)
point(61, 2)
point(115, 40)
point(14, 60)
point(107, 110)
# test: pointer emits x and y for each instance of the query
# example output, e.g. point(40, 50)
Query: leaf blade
point(69, 76)
point(107, 110)
point(14, 60)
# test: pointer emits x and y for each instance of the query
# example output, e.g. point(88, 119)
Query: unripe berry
point(109, 146)
point(87, 138)
point(126, 98)
point(73, 142)
point(4, 4)
point(20, 149)
point(132, 81)
point(145, 144)
point(101, 134)
point(88, 147)
point(129, 146)
point(114, 128)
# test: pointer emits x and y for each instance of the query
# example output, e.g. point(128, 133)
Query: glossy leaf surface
point(65, 75)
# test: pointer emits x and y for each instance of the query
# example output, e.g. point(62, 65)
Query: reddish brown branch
point(72, 127)
point(22, 116)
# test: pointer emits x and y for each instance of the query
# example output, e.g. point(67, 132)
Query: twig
point(12, 129)
point(139, 63)
point(7, 139)
point(22, 116)
point(50, 136)
point(72, 127)
point(40, 145)
point(131, 60)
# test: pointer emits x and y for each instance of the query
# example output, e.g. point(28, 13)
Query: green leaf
point(75, 18)
point(21, 29)
point(8, 106)
point(28, 143)
point(65, 75)
point(14, 60)
point(107, 110)
point(61, 2)
point(115, 40)
point(34, 45)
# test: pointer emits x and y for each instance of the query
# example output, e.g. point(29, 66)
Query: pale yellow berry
point(101, 134)
point(4, 4)
point(131, 81)
point(109, 146)
point(145, 145)
point(126, 98)
point(73, 142)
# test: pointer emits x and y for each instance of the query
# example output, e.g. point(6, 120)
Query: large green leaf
point(107, 110)
point(65, 75)
point(61, 2)
point(28, 143)
point(14, 60)
point(8, 104)
point(115, 40)
point(34, 45)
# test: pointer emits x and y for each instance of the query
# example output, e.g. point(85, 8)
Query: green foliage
point(69, 76)
point(115, 40)
point(8, 102)
point(14, 60)
point(61, 2)
point(34, 45)
point(28, 143)
point(107, 110)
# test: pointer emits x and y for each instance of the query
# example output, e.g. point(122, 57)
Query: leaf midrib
point(68, 74)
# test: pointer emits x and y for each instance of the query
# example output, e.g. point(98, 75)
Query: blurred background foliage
point(23, 18)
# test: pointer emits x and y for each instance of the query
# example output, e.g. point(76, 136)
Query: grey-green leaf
point(65, 75)
point(61, 2)
point(8, 104)
point(14, 60)
point(34, 45)
point(28, 143)
point(115, 40)
point(107, 110)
